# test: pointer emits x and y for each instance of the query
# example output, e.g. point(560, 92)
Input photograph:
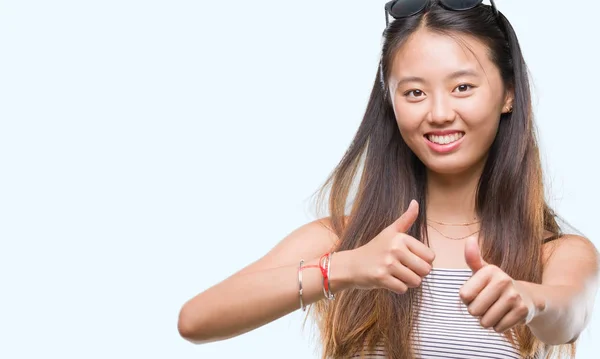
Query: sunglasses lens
point(404, 8)
point(460, 4)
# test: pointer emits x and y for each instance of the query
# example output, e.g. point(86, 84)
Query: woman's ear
point(508, 102)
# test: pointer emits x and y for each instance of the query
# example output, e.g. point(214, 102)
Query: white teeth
point(444, 140)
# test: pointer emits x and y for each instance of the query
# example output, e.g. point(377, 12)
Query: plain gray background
point(148, 149)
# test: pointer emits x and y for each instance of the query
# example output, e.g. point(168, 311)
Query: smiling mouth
point(445, 139)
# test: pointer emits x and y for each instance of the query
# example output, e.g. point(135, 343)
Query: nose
point(441, 111)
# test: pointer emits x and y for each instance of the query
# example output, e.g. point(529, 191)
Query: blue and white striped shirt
point(445, 329)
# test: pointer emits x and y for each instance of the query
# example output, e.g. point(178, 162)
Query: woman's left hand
point(492, 295)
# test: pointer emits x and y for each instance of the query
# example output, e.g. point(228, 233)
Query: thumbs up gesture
point(393, 259)
point(492, 295)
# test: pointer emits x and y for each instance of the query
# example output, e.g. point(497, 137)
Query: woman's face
point(447, 96)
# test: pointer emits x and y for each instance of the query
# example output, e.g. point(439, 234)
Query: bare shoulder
point(307, 242)
point(570, 258)
point(569, 244)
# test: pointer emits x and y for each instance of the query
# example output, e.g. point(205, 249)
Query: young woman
point(446, 248)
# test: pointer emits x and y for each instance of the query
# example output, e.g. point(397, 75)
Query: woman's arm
point(265, 290)
point(565, 298)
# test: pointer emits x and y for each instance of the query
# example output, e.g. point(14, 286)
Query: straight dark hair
point(510, 195)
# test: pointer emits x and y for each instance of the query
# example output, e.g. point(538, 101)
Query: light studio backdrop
point(149, 149)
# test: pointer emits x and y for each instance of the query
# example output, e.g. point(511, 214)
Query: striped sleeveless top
point(445, 329)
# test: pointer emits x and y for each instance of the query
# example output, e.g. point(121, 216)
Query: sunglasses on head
point(405, 8)
point(399, 9)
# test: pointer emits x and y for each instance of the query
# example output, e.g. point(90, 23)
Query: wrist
point(340, 277)
point(536, 296)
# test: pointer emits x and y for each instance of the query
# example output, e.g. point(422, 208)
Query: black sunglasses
point(405, 8)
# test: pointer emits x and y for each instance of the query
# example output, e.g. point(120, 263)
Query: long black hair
point(510, 196)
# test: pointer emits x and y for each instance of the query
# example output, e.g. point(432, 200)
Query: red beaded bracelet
point(324, 264)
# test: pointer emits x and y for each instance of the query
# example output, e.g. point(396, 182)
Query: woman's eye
point(413, 93)
point(463, 87)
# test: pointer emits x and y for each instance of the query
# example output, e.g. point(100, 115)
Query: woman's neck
point(451, 198)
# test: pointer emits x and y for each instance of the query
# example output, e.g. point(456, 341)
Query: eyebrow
point(454, 75)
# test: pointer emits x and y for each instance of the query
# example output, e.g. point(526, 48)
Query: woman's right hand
point(393, 259)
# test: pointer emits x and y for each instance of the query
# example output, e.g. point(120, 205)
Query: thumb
point(473, 255)
point(403, 223)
